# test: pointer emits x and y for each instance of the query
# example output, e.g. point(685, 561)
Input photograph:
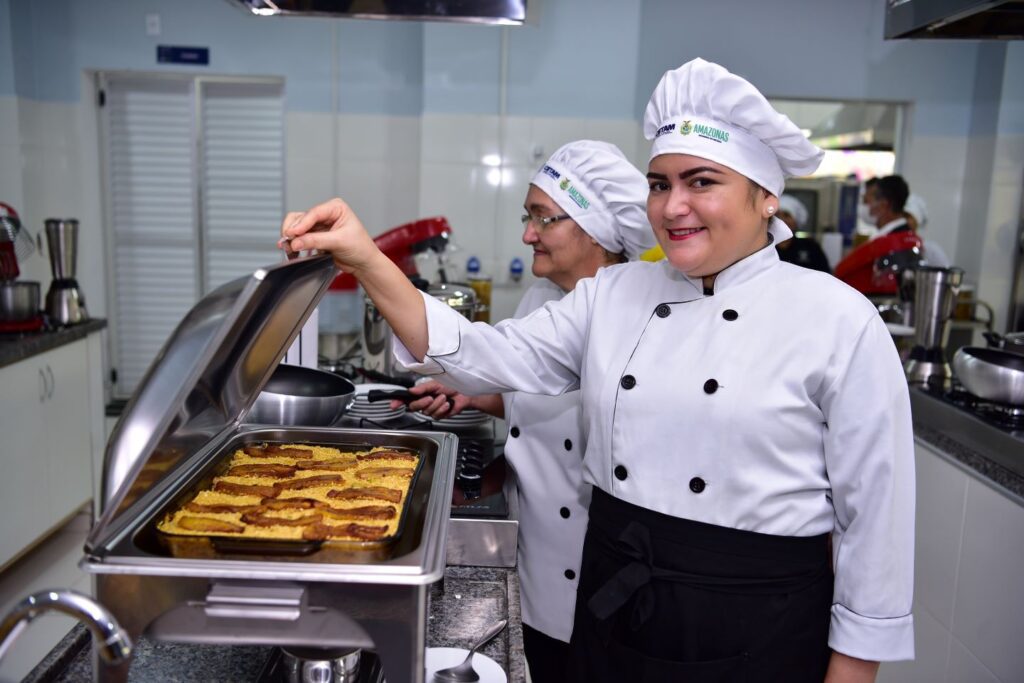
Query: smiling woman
point(740, 413)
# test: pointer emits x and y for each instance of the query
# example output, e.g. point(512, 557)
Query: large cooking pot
point(19, 301)
point(991, 374)
point(296, 395)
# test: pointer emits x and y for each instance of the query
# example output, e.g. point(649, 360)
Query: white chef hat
point(795, 208)
point(917, 208)
point(702, 109)
point(605, 194)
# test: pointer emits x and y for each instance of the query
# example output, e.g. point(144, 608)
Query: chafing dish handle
point(258, 614)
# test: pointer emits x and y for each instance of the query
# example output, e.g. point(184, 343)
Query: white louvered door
point(195, 186)
point(243, 177)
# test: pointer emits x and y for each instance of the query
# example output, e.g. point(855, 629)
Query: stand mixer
point(19, 299)
point(346, 317)
point(65, 304)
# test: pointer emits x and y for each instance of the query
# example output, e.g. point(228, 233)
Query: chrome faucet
point(112, 642)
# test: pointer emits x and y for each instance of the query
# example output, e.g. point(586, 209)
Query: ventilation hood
point(970, 19)
point(466, 11)
point(858, 125)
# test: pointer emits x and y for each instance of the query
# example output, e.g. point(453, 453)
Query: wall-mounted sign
point(176, 54)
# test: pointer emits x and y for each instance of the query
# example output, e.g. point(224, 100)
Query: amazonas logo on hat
point(704, 131)
point(574, 194)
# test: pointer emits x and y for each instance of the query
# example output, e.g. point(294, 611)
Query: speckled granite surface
point(972, 460)
point(16, 348)
point(461, 606)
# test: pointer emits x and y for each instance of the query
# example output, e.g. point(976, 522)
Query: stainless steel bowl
point(297, 395)
point(19, 300)
point(991, 374)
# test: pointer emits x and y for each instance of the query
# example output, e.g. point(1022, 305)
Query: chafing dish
point(187, 415)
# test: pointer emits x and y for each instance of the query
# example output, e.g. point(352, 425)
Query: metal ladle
point(464, 673)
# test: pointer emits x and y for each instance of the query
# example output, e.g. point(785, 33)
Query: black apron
point(667, 599)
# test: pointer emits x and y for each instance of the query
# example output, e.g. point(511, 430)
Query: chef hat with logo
point(605, 194)
point(795, 208)
point(703, 110)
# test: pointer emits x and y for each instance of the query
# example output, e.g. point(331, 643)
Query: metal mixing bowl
point(19, 300)
point(297, 395)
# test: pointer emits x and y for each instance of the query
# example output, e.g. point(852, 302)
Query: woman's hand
point(434, 402)
point(330, 227)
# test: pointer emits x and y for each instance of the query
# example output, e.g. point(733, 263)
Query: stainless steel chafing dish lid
point(206, 378)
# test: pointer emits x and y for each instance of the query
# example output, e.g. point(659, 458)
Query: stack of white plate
point(378, 410)
point(467, 418)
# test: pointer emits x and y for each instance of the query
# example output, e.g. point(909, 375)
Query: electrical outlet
point(152, 24)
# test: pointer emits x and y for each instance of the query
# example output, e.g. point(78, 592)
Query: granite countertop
point(462, 605)
point(990, 454)
point(14, 348)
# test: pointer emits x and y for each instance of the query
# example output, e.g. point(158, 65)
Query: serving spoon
point(464, 673)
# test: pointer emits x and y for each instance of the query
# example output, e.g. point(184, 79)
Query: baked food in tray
point(301, 492)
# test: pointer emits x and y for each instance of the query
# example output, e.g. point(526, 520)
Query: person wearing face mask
point(739, 411)
point(885, 201)
point(802, 249)
point(601, 222)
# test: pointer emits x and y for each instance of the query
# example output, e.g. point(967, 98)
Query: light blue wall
point(812, 49)
point(461, 68)
point(6, 47)
point(380, 62)
point(1011, 114)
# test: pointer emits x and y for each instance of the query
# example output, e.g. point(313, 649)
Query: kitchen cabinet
point(50, 427)
point(969, 548)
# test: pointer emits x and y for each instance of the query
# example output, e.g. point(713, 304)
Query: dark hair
point(754, 189)
point(870, 182)
point(893, 189)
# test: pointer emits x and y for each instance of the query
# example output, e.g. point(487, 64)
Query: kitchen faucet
point(112, 642)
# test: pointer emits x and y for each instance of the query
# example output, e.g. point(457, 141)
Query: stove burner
point(1005, 415)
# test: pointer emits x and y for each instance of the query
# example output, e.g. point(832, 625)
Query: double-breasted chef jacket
point(776, 404)
point(545, 449)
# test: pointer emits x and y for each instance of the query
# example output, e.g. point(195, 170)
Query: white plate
point(366, 388)
point(443, 657)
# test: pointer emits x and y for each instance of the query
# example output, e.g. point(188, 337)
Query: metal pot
point(19, 301)
point(295, 395)
point(460, 297)
point(991, 374)
point(1014, 341)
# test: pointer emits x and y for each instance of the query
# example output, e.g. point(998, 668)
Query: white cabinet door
point(23, 459)
point(67, 429)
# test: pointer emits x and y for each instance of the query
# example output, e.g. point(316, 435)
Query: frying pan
point(296, 395)
point(991, 374)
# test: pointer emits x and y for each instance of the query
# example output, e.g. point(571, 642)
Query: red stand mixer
point(345, 317)
point(19, 300)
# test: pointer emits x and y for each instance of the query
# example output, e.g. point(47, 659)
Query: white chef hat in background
point(917, 208)
point(605, 194)
point(795, 208)
point(702, 109)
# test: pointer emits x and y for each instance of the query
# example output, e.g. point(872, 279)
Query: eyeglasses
point(541, 222)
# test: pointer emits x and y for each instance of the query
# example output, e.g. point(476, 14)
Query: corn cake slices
point(301, 492)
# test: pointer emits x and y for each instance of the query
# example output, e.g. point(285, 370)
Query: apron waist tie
point(635, 577)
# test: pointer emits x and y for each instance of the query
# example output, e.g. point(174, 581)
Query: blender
point(935, 292)
point(65, 304)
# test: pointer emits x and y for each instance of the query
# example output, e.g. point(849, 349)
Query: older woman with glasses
point(739, 412)
point(584, 210)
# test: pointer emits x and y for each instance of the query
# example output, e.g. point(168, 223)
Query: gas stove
point(1006, 417)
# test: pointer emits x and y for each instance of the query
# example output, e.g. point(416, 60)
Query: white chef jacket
point(889, 227)
point(545, 449)
point(782, 393)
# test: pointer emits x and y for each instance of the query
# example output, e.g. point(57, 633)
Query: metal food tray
point(158, 542)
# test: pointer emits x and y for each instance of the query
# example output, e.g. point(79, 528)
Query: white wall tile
point(308, 134)
point(378, 137)
point(453, 138)
point(519, 143)
point(384, 194)
point(934, 167)
point(931, 649)
point(309, 180)
point(461, 193)
point(551, 133)
point(987, 617)
point(964, 667)
point(941, 499)
point(622, 134)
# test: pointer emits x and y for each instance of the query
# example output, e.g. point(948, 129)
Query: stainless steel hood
point(858, 125)
point(966, 19)
point(511, 12)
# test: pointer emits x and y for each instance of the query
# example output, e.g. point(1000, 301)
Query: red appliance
point(9, 270)
point(859, 270)
point(401, 245)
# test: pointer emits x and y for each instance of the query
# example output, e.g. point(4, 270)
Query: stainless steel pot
point(460, 297)
point(19, 300)
point(295, 395)
point(991, 374)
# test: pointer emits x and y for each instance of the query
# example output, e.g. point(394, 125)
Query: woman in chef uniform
point(602, 223)
point(738, 412)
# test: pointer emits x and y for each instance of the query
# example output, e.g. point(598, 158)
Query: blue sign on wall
point(176, 54)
